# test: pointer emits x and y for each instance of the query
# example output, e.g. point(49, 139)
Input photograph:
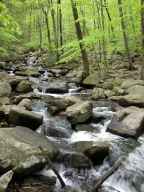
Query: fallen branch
point(116, 165)
point(54, 170)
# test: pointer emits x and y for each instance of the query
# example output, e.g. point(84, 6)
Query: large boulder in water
point(135, 96)
point(24, 87)
point(96, 151)
point(73, 159)
point(5, 89)
point(55, 87)
point(79, 112)
point(132, 125)
point(24, 151)
point(22, 117)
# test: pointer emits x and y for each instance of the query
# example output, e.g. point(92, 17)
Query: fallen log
point(116, 165)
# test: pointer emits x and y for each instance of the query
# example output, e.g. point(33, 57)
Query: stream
point(76, 170)
point(83, 179)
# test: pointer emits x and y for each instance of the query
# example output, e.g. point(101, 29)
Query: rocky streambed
point(50, 120)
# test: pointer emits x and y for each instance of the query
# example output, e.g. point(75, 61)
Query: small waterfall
point(85, 179)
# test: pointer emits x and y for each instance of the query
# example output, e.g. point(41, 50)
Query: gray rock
point(127, 83)
point(5, 89)
point(26, 103)
point(98, 93)
point(56, 105)
point(24, 87)
point(95, 151)
point(21, 150)
point(135, 96)
point(79, 112)
point(22, 117)
point(5, 180)
point(55, 87)
point(130, 126)
point(74, 159)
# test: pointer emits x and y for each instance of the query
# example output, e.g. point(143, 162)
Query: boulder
point(55, 87)
point(79, 112)
point(98, 93)
point(30, 72)
point(15, 80)
point(21, 150)
point(5, 180)
point(4, 100)
point(127, 83)
point(95, 151)
point(130, 126)
point(24, 87)
point(56, 105)
point(73, 159)
point(26, 104)
point(92, 80)
point(5, 89)
point(22, 117)
point(135, 96)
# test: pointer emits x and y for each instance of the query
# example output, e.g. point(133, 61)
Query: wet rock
point(55, 87)
point(49, 130)
point(30, 72)
point(57, 126)
point(56, 105)
point(24, 87)
point(5, 180)
point(74, 159)
point(5, 89)
point(85, 127)
point(72, 189)
point(26, 104)
point(22, 117)
point(130, 126)
point(95, 151)
point(79, 112)
point(20, 151)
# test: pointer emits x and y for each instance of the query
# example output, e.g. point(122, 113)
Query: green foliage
point(29, 17)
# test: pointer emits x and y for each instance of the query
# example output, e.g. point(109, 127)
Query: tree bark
point(125, 34)
point(80, 39)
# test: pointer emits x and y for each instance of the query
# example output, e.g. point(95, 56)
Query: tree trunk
point(142, 29)
point(125, 34)
point(80, 39)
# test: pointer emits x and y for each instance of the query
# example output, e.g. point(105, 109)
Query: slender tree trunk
point(54, 28)
point(125, 34)
point(80, 39)
point(142, 29)
point(45, 12)
point(142, 22)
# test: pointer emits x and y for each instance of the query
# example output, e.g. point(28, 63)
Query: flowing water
point(128, 178)
point(85, 178)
